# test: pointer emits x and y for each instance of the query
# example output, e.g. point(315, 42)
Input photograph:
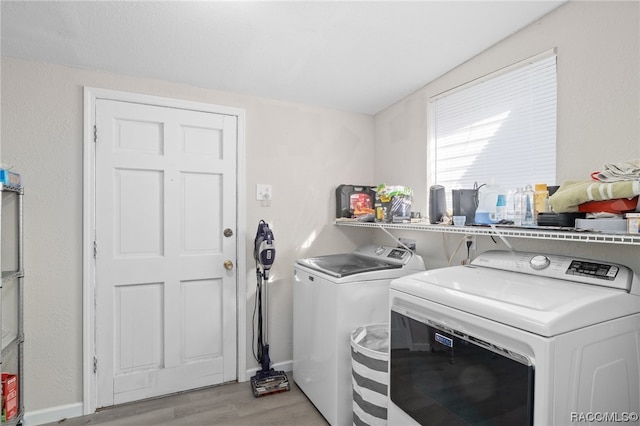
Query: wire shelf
point(541, 233)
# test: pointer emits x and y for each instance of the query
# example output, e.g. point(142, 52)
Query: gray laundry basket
point(370, 374)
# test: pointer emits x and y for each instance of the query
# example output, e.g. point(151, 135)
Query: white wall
point(598, 48)
point(303, 152)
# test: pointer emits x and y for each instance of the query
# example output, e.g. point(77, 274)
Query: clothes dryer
point(333, 295)
point(516, 339)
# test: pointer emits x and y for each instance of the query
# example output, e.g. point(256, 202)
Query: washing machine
point(332, 295)
point(516, 339)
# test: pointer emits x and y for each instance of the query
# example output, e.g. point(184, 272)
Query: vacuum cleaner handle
point(264, 248)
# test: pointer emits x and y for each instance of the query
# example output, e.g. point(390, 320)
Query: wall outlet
point(471, 238)
point(409, 243)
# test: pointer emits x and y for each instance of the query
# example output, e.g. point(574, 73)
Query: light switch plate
point(263, 192)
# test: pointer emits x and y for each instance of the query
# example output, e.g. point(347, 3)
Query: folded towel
point(573, 193)
point(615, 172)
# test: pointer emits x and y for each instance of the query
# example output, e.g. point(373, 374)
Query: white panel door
point(165, 303)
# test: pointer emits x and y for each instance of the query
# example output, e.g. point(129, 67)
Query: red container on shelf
point(618, 205)
point(9, 396)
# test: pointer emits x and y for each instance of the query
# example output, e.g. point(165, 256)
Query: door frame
point(91, 94)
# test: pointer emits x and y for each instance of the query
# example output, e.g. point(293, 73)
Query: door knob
point(228, 265)
point(228, 232)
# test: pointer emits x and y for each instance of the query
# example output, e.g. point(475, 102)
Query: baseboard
point(280, 366)
point(53, 414)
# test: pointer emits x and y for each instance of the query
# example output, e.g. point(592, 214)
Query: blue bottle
point(501, 207)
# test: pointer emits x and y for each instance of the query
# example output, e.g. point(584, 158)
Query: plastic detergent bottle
point(528, 206)
point(487, 200)
point(541, 198)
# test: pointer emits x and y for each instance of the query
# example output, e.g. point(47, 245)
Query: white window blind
point(500, 129)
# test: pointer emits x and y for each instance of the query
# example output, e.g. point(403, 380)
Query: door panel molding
point(91, 95)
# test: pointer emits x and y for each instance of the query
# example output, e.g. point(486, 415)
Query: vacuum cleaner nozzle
point(269, 382)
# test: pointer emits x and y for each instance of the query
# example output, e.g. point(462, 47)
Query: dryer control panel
point(585, 271)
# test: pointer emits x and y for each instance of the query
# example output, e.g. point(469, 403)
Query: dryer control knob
point(539, 262)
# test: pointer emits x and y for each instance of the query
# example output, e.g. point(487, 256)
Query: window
point(499, 129)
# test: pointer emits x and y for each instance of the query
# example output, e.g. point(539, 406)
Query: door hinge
point(95, 365)
point(95, 133)
point(95, 249)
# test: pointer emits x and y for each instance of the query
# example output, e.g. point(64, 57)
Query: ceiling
point(355, 56)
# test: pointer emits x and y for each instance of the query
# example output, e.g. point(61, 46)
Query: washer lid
point(342, 265)
point(540, 305)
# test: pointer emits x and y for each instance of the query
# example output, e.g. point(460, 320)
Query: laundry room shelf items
point(532, 232)
point(11, 300)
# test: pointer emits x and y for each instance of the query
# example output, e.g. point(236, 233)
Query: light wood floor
point(230, 404)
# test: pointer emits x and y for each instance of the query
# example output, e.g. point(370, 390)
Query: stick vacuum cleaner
point(266, 381)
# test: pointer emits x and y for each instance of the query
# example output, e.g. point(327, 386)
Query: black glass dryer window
point(440, 378)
